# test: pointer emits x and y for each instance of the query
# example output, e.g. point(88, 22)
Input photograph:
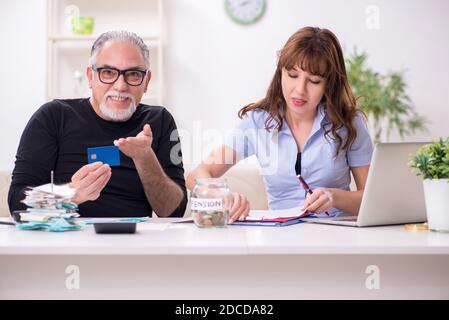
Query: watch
point(245, 11)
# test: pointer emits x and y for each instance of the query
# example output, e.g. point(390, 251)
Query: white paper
point(60, 190)
point(154, 226)
point(212, 204)
point(273, 214)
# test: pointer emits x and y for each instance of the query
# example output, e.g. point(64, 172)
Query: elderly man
point(150, 175)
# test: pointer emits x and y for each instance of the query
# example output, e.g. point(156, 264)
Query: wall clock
point(245, 11)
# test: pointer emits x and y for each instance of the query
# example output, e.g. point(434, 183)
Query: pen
point(51, 178)
point(7, 223)
point(306, 187)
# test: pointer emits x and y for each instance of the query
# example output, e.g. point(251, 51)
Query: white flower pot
point(436, 195)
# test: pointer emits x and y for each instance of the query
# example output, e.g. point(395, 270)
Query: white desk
point(184, 262)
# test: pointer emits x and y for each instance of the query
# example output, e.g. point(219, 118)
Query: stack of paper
point(50, 208)
point(48, 196)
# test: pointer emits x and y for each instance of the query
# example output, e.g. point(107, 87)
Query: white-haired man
point(150, 176)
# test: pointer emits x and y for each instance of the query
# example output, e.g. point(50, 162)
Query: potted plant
point(432, 163)
point(383, 98)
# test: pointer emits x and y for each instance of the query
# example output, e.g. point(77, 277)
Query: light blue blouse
point(277, 151)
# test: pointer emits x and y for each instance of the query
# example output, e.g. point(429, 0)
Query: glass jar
point(210, 202)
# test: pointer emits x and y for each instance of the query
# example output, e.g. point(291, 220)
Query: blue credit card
point(109, 155)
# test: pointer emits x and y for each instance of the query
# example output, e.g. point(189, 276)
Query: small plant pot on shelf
point(432, 163)
point(83, 25)
point(436, 195)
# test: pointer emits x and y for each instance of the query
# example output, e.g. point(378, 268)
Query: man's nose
point(120, 84)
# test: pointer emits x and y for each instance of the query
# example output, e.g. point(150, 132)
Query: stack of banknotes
point(49, 208)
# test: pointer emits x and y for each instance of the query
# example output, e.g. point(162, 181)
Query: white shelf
point(90, 38)
point(140, 16)
point(68, 54)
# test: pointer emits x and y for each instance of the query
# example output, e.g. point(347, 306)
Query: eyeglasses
point(108, 75)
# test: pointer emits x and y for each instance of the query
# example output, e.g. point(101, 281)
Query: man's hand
point(89, 181)
point(137, 147)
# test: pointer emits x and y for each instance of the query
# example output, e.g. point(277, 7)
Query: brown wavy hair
point(318, 52)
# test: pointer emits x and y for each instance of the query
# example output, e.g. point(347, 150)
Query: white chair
point(5, 181)
point(244, 179)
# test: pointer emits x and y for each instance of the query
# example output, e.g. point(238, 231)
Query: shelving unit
point(68, 54)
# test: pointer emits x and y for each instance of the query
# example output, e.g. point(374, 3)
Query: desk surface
point(187, 239)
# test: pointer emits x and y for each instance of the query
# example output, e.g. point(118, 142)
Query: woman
point(307, 124)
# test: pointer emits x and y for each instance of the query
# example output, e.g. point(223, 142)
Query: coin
point(416, 227)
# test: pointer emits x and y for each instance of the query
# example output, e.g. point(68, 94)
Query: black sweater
point(57, 137)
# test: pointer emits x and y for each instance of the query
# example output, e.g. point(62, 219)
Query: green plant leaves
point(432, 160)
point(383, 98)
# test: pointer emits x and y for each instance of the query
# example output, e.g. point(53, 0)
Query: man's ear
point(147, 80)
point(90, 76)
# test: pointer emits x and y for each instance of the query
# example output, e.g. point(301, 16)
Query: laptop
point(393, 193)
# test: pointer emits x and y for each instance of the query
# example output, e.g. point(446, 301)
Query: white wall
point(22, 81)
point(214, 67)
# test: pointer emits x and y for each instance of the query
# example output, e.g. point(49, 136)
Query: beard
point(118, 116)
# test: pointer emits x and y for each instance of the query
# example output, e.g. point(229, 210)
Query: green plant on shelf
point(432, 160)
point(384, 99)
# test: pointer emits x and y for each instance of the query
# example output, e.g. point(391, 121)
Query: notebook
point(270, 222)
point(270, 218)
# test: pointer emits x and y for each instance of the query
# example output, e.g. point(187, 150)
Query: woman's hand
point(321, 200)
point(239, 207)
